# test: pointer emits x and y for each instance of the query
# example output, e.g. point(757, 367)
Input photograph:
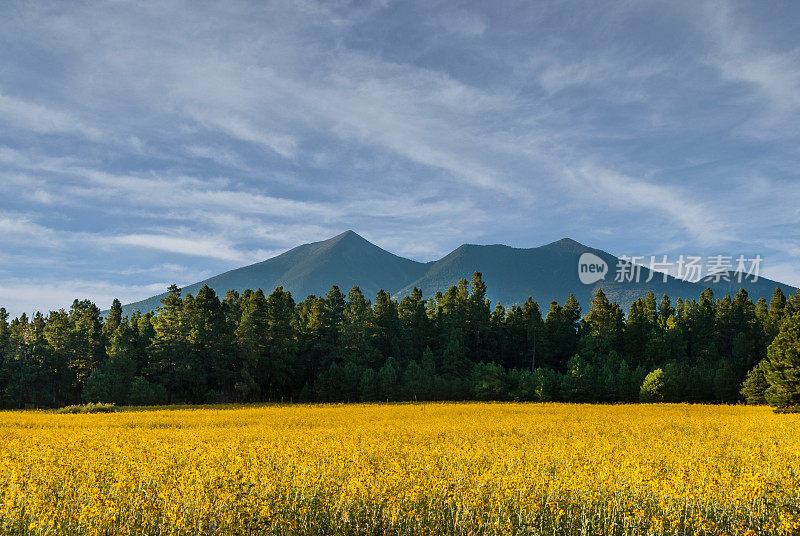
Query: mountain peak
point(348, 241)
point(566, 241)
point(348, 236)
point(565, 245)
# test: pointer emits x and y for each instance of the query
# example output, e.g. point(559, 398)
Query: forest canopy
point(253, 347)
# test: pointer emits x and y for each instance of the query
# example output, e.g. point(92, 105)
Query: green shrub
point(653, 387)
point(144, 393)
point(91, 407)
point(755, 384)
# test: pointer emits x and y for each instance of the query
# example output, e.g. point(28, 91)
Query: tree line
point(252, 347)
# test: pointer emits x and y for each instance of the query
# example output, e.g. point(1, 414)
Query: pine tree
point(5, 336)
point(545, 383)
point(534, 333)
point(168, 347)
point(357, 328)
point(755, 384)
point(282, 345)
point(368, 386)
point(604, 325)
point(429, 372)
point(724, 327)
point(59, 335)
point(121, 366)
point(638, 332)
point(777, 310)
point(335, 304)
point(489, 382)
point(512, 327)
point(608, 368)
point(97, 388)
point(783, 368)
point(477, 314)
point(386, 325)
point(144, 333)
point(700, 320)
point(626, 387)
point(87, 347)
point(144, 393)
point(208, 341)
point(793, 303)
point(415, 323)
point(315, 338)
point(113, 319)
point(388, 380)
point(252, 343)
point(348, 381)
point(651, 307)
point(726, 387)
point(578, 381)
point(572, 311)
point(561, 325)
point(232, 308)
point(22, 370)
point(454, 363)
point(325, 390)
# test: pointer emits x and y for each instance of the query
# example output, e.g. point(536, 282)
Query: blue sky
point(144, 143)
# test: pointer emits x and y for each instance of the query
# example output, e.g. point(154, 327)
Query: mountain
point(550, 272)
point(345, 260)
point(545, 273)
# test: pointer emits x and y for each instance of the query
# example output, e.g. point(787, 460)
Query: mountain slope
point(345, 260)
point(545, 273)
point(550, 272)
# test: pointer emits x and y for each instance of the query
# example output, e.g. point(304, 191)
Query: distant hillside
point(546, 273)
point(345, 260)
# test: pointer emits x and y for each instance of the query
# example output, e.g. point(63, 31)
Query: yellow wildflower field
point(403, 469)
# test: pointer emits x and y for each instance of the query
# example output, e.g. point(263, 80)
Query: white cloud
point(610, 188)
point(199, 246)
point(165, 268)
point(782, 272)
point(42, 196)
point(327, 117)
point(22, 230)
point(773, 76)
point(217, 154)
point(244, 130)
point(181, 193)
point(31, 295)
point(29, 116)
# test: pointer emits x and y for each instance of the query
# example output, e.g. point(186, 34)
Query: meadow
point(434, 468)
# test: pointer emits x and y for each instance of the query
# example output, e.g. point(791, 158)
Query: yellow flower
point(364, 469)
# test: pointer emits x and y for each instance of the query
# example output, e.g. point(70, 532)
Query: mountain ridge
point(546, 273)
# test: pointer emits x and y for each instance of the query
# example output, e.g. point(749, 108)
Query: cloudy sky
point(144, 143)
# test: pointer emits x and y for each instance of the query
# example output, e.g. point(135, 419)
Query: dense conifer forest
point(253, 347)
